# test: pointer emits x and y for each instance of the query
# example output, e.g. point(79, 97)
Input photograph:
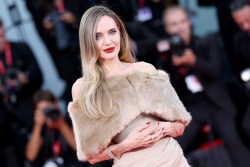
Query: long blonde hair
point(93, 75)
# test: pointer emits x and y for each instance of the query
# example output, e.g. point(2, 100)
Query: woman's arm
point(172, 129)
point(138, 138)
point(141, 137)
point(117, 150)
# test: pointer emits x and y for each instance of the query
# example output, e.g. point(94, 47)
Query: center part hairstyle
point(93, 75)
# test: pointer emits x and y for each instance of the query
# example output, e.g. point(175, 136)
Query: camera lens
point(177, 45)
point(52, 113)
point(12, 73)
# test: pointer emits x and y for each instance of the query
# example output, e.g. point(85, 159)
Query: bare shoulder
point(76, 89)
point(143, 67)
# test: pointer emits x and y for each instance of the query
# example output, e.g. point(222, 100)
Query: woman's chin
point(109, 57)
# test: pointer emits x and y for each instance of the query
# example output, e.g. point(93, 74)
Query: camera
point(174, 45)
point(52, 112)
point(54, 17)
point(12, 74)
point(61, 32)
point(177, 45)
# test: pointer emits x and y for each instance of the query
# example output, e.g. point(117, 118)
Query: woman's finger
point(150, 130)
point(162, 135)
point(147, 138)
point(158, 133)
point(143, 127)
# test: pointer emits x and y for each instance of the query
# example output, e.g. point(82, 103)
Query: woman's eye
point(112, 32)
point(98, 36)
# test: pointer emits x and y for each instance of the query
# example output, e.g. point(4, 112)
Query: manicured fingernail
point(148, 123)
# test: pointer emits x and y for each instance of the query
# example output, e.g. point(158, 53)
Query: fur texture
point(136, 93)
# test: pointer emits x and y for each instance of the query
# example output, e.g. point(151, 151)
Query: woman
point(123, 110)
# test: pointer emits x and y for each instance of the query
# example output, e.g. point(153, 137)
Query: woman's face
point(107, 38)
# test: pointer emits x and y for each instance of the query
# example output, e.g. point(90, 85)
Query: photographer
point(52, 140)
point(59, 20)
point(240, 10)
point(20, 77)
point(196, 73)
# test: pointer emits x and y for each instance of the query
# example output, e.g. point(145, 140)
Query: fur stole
point(133, 94)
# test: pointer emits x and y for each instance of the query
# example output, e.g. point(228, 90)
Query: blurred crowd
point(211, 75)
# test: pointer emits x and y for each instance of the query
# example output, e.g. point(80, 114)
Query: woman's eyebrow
point(113, 29)
point(108, 30)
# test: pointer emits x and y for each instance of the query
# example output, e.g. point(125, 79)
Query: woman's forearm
point(117, 150)
point(139, 137)
point(171, 129)
point(179, 128)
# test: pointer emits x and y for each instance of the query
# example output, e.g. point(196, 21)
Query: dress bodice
point(163, 153)
point(139, 121)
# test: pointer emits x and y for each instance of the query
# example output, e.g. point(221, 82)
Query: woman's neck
point(112, 67)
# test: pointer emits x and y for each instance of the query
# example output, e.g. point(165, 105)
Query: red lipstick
point(109, 50)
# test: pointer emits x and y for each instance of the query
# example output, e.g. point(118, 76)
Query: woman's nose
point(107, 40)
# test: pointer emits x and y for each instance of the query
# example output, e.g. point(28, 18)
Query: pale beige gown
point(164, 153)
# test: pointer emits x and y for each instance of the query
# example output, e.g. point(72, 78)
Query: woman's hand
point(140, 137)
point(143, 136)
point(173, 129)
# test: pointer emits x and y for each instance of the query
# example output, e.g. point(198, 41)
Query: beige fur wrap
point(133, 94)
